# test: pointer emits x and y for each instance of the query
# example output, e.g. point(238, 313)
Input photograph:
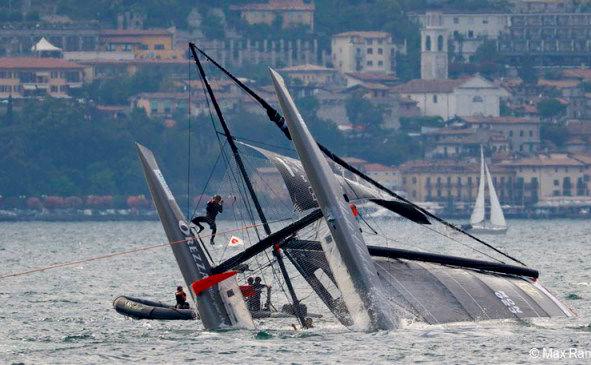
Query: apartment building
point(358, 52)
point(32, 76)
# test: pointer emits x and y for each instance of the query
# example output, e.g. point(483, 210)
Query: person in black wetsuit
point(258, 287)
point(214, 207)
point(181, 298)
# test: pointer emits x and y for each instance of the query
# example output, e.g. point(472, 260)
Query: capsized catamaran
point(345, 249)
point(478, 223)
point(366, 287)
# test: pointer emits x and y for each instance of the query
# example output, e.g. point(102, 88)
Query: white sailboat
point(478, 223)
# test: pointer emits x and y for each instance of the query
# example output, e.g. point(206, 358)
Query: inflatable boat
point(147, 309)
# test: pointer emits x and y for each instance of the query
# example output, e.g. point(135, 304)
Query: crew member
point(258, 289)
point(214, 207)
point(181, 298)
point(249, 293)
point(355, 212)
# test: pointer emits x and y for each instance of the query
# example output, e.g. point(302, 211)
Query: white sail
point(496, 213)
point(478, 212)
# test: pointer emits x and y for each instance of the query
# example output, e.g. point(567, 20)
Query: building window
point(456, 20)
point(470, 34)
point(159, 46)
point(521, 133)
point(370, 51)
point(435, 99)
point(556, 182)
point(370, 41)
point(370, 63)
point(477, 99)
point(531, 133)
point(53, 88)
point(414, 180)
point(380, 63)
point(54, 74)
point(428, 43)
point(440, 43)
point(510, 133)
point(380, 51)
point(72, 76)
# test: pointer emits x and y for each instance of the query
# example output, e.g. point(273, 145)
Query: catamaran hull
point(344, 248)
point(483, 230)
point(437, 294)
point(218, 309)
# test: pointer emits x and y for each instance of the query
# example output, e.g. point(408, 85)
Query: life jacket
point(181, 296)
point(354, 210)
point(247, 290)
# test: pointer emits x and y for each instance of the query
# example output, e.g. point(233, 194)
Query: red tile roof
point(429, 86)
point(299, 5)
point(580, 73)
point(376, 167)
point(363, 34)
point(37, 63)
point(446, 166)
point(579, 129)
point(541, 160)
point(500, 120)
point(372, 77)
point(307, 67)
point(135, 32)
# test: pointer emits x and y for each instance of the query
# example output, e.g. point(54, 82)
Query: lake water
point(65, 315)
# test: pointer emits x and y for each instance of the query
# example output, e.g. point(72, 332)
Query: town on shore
point(510, 77)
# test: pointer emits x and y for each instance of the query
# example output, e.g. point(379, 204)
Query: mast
point(278, 119)
point(248, 183)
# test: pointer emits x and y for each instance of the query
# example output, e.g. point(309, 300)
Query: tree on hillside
point(554, 132)
point(550, 108)
point(362, 112)
point(527, 72)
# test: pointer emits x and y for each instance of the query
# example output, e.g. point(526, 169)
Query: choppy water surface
point(65, 315)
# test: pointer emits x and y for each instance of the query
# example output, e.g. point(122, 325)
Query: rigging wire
point(241, 192)
point(189, 147)
point(238, 138)
point(207, 182)
point(275, 117)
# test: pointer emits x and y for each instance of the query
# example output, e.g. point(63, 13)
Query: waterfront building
point(363, 51)
point(289, 13)
point(33, 76)
point(455, 97)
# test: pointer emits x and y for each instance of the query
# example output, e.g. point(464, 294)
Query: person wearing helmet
point(213, 208)
point(181, 298)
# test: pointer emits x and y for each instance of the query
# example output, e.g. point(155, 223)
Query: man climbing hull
point(346, 252)
point(220, 306)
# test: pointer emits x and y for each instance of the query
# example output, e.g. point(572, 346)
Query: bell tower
point(433, 48)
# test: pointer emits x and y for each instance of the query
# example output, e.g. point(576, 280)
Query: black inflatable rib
point(147, 309)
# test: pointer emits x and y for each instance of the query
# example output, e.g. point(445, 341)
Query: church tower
point(433, 48)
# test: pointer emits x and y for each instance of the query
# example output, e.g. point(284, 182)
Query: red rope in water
point(114, 254)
